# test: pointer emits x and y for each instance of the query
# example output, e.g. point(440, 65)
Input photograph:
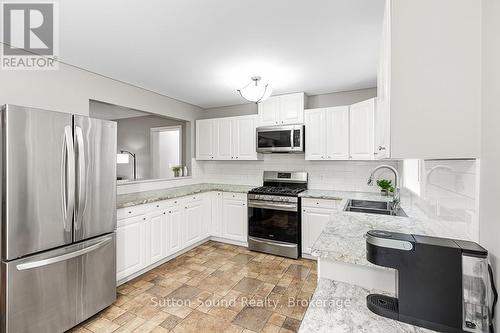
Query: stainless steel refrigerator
point(58, 211)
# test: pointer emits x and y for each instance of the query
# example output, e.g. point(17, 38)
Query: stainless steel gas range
point(274, 223)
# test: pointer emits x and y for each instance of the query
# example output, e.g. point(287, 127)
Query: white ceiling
point(201, 51)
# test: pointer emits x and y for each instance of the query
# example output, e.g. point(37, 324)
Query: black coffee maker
point(443, 284)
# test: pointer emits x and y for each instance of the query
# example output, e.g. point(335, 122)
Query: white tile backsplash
point(323, 175)
point(449, 191)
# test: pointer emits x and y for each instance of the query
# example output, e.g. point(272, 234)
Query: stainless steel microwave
point(280, 139)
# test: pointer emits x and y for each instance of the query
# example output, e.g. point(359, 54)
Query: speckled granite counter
point(341, 307)
point(139, 198)
point(343, 237)
point(339, 195)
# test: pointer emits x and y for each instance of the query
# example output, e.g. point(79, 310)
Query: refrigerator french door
point(58, 219)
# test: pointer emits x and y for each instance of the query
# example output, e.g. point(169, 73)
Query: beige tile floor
point(213, 288)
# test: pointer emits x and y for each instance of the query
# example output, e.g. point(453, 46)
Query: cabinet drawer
point(127, 212)
point(320, 203)
point(234, 196)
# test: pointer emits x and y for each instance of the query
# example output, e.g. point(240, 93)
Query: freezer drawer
point(54, 291)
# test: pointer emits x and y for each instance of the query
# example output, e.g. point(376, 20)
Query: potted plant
point(176, 170)
point(385, 186)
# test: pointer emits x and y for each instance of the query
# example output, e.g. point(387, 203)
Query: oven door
point(273, 221)
point(280, 139)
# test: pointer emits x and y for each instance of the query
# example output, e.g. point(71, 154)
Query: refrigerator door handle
point(68, 181)
point(64, 257)
point(80, 155)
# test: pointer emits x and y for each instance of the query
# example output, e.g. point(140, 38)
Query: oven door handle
point(277, 206)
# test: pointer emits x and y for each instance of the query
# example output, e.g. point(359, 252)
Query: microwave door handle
point(63, 257)
point(291, 138)
point(68, 179)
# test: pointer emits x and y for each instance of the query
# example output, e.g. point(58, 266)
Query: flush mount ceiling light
point(256, 91)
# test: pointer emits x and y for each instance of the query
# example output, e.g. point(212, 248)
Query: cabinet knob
point(157, 206)
point(144, 218)
point(170, 212)
point(322, 156)
point(164, 213)
point(380, 148)
point(244, 204)
point(236, 156)
point(130, 212)
point(304, 210)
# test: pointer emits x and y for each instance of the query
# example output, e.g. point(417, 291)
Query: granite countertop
point(341, 307)
point(339, 195)
point(343, 237)
point(140, 198)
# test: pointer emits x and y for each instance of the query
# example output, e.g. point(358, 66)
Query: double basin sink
point(374, 207)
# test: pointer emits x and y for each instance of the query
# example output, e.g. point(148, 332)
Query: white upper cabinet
point(269, 111)
point(224, 139)
point(327, 133)
point(205, 139)
point(244, 138)
point(337, 133)
point(315, 148)
point(231, 138)
point(429, 80)
point(361, 130)
point(282, 110)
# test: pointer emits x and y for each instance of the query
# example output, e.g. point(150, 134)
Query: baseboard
point(228, 241)
point(308, 256)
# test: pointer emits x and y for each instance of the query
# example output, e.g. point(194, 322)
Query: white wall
point(69, 89)
point(490, 162)
point(315, 101)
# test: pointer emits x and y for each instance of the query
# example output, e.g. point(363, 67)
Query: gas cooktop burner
point(278, 190)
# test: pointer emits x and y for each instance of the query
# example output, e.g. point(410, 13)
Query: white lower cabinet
point(234, 219)
point(130, 246)
point(155, 225)
point(194, 214)
point(162, 229)
point(314, 220)
point(216, 211)
point(174, 230)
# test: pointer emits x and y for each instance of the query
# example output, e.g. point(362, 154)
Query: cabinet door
point(362, 130)
point(130, 246)
point(315, 134)
point(314, 221)
point(193, 222)
point(269, 111)
point(224, 139)
point(205, 136)
point(291, 109)
point(216, 223)
point(337, 133)
point(235, 220)
point(156, 222)
point(174, 227)
point(244, 138)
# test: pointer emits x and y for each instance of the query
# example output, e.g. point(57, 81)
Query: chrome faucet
point(396, 200)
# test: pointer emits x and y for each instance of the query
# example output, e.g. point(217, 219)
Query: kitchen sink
point(374, 207)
